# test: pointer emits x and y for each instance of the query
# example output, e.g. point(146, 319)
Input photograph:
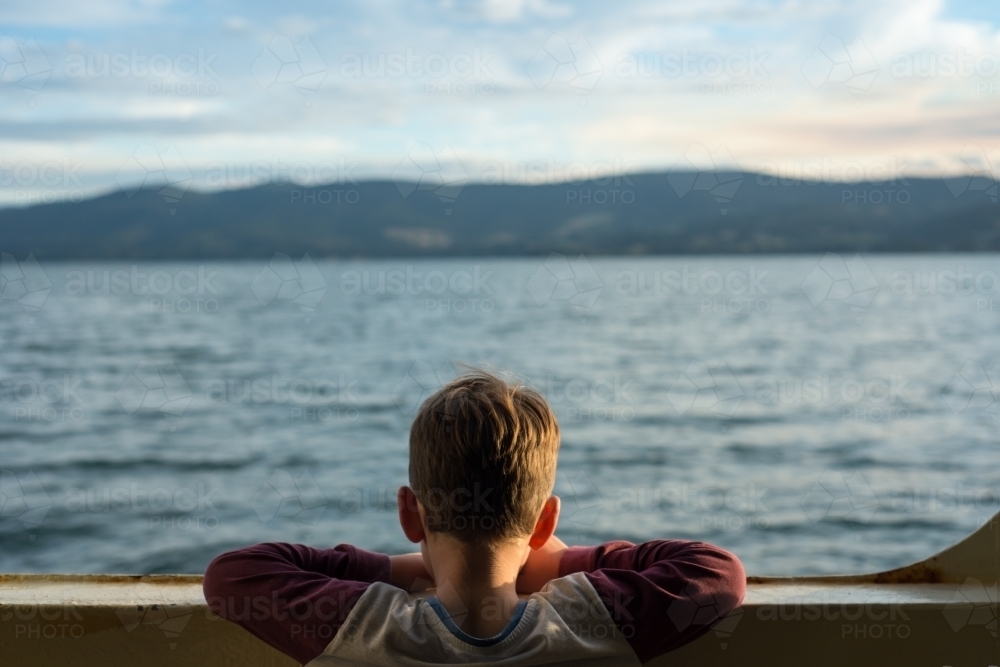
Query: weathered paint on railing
point(940, 612)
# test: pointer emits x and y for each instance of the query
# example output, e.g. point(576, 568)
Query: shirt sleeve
point(660, 594)
point(291, 596)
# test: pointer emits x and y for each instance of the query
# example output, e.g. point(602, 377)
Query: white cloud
point(296, 26)
point(67, 14)
point(236, 23)
point(647, 119)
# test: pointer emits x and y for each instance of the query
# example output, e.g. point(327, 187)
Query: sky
point(108, 95)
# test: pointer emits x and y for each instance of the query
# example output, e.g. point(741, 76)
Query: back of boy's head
point(483, 458)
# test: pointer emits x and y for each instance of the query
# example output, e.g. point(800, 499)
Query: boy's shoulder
point(567, 618)
point(656, 595)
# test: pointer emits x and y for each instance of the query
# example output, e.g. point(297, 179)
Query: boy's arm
point(291, 596)
point(409, 573)
point(660, 594)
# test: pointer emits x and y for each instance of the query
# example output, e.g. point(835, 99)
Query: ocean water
point(814, 415)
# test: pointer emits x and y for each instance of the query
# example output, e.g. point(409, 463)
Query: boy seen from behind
point(491, 582)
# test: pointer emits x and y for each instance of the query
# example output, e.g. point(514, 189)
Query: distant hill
point(655, 213)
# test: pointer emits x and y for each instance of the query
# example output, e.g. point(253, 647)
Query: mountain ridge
point(636, 214)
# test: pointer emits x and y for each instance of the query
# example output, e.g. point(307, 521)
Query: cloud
point(296, 26)
point(66, 14)
point(648, 118)
point(504, 11)
point(236, 23)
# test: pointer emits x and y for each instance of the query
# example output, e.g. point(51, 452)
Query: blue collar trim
point(476, 641)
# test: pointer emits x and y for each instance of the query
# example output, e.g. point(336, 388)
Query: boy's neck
point(477, 585)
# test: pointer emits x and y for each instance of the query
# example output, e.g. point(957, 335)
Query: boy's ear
point(545, 527)
point(409, 514)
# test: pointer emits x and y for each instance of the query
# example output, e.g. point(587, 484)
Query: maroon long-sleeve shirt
point(619, 601)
